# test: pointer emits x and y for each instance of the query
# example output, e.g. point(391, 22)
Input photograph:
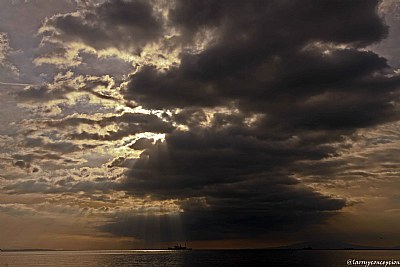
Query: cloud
point(389, 10)
point(65, 84)
point(122, 125)
point(255, 95)
point(142, 143)
point(279, 83)
point(5, 51)
point(124, 25)
point(60, 146)
point(280, 18)
point(264, 70)
point(229, 185)
point(370, 157)
point(245, 215)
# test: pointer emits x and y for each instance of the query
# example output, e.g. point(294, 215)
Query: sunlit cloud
point(5, 51)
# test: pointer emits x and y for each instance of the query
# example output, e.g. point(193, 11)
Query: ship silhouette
point(179, 247)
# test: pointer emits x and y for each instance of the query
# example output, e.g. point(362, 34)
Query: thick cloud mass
point(260, 53)
point(231, 184)
point(300, 70)
point(257, 94)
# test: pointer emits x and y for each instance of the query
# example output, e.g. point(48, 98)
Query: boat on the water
point(179, 247)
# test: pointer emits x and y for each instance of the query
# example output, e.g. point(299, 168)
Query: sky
point(224, 124)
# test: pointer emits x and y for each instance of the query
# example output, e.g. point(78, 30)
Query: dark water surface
point(311, 258)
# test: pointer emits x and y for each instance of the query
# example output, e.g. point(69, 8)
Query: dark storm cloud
point(253, 211)
point(286, 20)
point(126, 25)
point(233, 182)
point(259, 53)
point(277, 83)
point(300, 70)
point(191, 163)
point(297, 89)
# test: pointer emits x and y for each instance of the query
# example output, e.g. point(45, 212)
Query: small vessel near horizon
point(179, 247)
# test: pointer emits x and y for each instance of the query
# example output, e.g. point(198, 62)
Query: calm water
point(194, 258)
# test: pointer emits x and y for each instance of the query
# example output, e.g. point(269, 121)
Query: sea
point(149, 258)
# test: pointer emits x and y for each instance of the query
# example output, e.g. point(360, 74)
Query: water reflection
point(150, 258)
